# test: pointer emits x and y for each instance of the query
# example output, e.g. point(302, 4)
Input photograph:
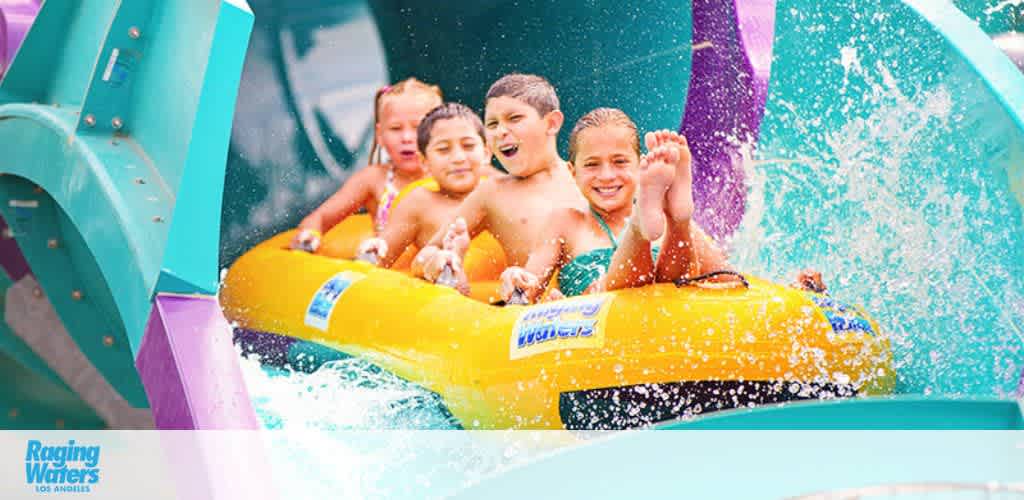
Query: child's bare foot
point(679, 207)
point(657, 173)
point(810, 280)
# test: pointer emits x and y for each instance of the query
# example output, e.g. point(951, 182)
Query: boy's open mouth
point(407, 154)
point(509, 150)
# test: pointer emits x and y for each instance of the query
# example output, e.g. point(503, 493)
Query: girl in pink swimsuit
point(398, 110)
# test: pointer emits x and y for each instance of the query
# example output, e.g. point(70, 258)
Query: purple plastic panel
point(16, 18)
point(11, 258)
point(725, 104)
point(188, 365)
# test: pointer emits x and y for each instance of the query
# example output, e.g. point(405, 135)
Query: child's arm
point(352, 196)
point(549, 253)
point(473, 210)
point(401, 230)
point(547, 256)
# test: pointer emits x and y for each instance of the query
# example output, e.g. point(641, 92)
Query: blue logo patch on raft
point(318, 314)
point(842, 317)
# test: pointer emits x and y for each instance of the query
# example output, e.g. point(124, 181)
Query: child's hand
point(423, 257)
point(516, 280)
point(373, 250)
point(456, 239)
point(444, 267)
point(810, 280)
point(440, 263)
point(307, 240)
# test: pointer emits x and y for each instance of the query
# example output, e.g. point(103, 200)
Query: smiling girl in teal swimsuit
point(607, 247)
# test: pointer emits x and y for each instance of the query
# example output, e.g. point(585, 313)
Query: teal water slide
point(882, 142)
point(114, 121)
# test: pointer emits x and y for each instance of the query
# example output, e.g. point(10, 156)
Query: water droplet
point(841, 378)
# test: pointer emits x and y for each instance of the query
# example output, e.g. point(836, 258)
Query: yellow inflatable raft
point(605, 361)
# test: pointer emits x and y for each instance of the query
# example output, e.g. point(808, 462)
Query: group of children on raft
point(626, 222)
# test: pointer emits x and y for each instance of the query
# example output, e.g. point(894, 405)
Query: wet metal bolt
point(13, 413)
point(134, 33)
point(108, 340)
point(37, 292)
point(140, 180)
point(157, 218)
point(76, 295)
point(51, 243)
point(90, 120)
point(116, 123)
point(59, 423)
point(8, 234)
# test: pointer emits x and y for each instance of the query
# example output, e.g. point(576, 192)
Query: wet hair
point(602, 117)
point(407, 86)
point(531, 89)
point(446, 111)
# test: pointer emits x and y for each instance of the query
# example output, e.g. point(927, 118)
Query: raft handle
point(518, 298)
point(681, 282)
point(370, 257)
point(447, 277)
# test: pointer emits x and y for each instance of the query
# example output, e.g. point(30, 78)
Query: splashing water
point(883, 203)
point(344, 394)
point(1003, 5)
point(353, 427)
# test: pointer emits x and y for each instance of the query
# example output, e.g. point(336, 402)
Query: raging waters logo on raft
point(575, 323)
point(842, 317)
point(62, 468)
point(318, 314)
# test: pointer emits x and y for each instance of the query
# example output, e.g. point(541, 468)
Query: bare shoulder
point(490, 182)
point(365, 179)
point(417, 198)
point(506, 181)
point(371, 173)
point(486, 188)
point(566, 218)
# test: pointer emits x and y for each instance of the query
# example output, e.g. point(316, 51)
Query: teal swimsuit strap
point(607, 230)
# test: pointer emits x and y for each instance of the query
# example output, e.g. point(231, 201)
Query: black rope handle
point(681, 282)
